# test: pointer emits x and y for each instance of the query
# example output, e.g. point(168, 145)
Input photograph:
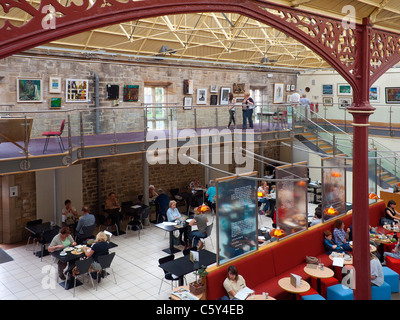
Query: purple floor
point(9, 150)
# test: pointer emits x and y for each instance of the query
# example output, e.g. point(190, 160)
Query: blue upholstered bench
point(313, 297)
point(339, 292)
point(381, 293)
point(392, 278)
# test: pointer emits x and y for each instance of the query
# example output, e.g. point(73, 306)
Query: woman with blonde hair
point(99, 248)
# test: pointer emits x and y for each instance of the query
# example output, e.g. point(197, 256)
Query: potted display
point(198, 287)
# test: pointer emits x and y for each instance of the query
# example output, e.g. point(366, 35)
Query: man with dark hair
point(87, 219)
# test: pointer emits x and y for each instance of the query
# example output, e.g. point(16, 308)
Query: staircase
point(320, 138)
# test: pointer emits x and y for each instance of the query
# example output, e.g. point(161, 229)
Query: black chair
point(175, 195)
point(208, 234)
point(105, 263)
point(35, 237)
point(87, 234)
point(187, 251)
point(46, 239)
point(167, 275)
point(83, 267)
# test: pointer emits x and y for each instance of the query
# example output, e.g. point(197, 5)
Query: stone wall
point(127, 116)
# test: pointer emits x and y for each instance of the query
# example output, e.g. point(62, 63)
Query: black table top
point(183, 265)
point(168, 227)
point(40, 228)
point(68, 257)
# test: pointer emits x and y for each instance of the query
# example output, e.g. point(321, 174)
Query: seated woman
point(395, 253)
point(329, 243)
point(59, 242)
point(99, 248)
point(233, 283)
point(390, 212)
point(340, 236)
point(262, 192)
point(174, 215)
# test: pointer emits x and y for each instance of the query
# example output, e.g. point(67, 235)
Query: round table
point(174, 297)
point(285, 284)
point(319, 274)
point(259, 297)
point(340, 255)
point(372, 248)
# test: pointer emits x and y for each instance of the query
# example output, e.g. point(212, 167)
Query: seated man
point(86, 220)
point(162, 205)
point(112, 209)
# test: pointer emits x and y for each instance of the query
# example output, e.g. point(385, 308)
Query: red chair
point(56, 134)
point(393, 264)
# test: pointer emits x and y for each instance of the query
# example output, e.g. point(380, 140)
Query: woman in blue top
point(174, 215)
point(210, 194)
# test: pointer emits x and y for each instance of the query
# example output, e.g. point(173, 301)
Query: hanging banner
point(236, 217)
point(292, 198)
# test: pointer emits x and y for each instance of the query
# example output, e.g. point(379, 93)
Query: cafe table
point(70, 257)
point(38, 229)
point(285, 284)
point(348, 261)
point(182, 266)
point(319, 272)
point(186, 288)
point(259, 297)
point(169, 227)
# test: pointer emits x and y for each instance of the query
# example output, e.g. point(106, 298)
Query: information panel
point(236, 217)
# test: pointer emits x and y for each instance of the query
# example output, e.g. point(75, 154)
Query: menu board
point(236, 217)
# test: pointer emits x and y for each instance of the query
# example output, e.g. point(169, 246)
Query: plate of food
point(69, 249)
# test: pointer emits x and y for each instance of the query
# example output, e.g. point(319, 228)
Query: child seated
point(329, 243)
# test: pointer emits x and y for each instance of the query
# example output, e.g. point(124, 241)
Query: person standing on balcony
point(231, 109)
point(305, 104)
point(247, 108)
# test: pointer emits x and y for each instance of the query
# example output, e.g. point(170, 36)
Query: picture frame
point(29, 90)
point(327, 89)
point(131, 93)
point(327, 101)
point(112, 92)
point(201, 96)
point(292, 87)
point(224, 95)
point(344, 89)
point(76, 90)
point(288, 87)
point(187, 103)
point(278, 93)
point(344, 102)
point(54, 85)
point(213, 88)
point(374, 95)
point(55, 102)
point(213, 99)
point(392, 95)
point(188, 86)
point(239, 88)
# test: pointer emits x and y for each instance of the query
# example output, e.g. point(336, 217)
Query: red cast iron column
point(361, 110)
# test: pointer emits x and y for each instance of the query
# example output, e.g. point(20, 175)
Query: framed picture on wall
point(344, 102)
point(29, 90)
point(201, 96)
point(288, 87)
point(213, 100)
point(344, 89)
point(54, 85)
point(77, 90)
point(327, 101)
point(213, 88)
point(131, 93)
point(374, 94)
point(392, 94)
point(187, 86)
point(292, 87)
point(187, 103)
point(239, 88)
point(55, 103)
point(327, 89)
point(278, 93)
point(224, 96)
